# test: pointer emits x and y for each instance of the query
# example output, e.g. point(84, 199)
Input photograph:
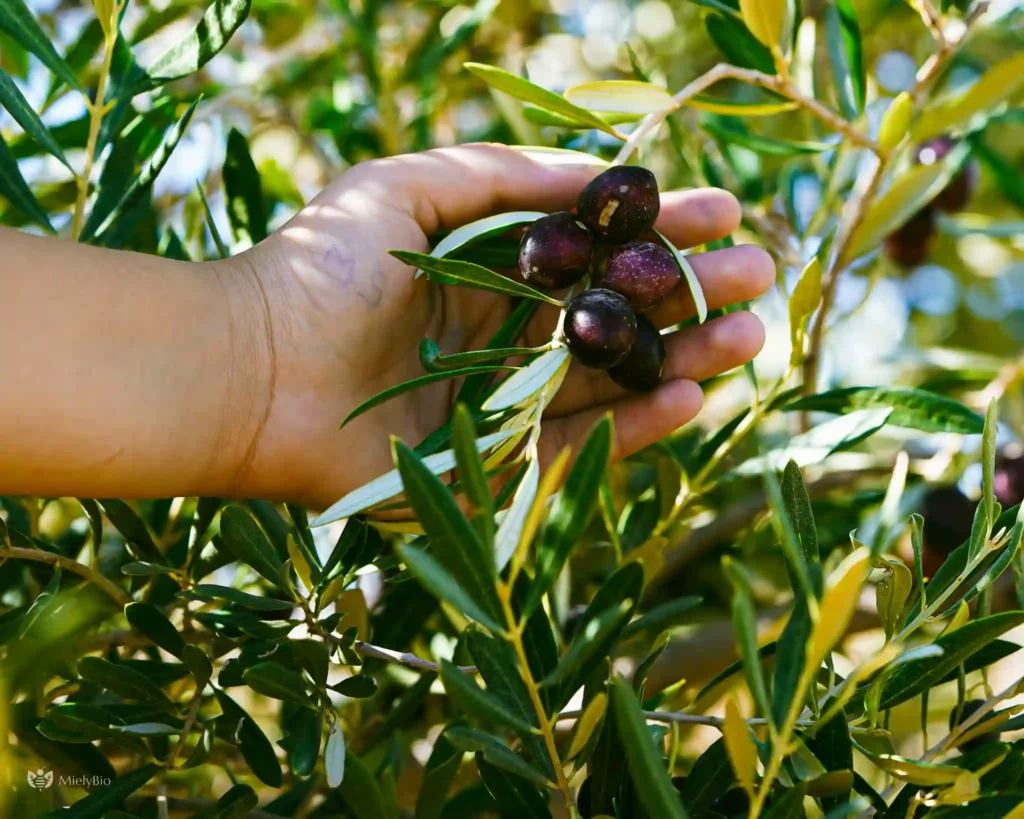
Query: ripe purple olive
point(556, 251)
point(600, 328)
point(643, 272)
point(955, 196)
point(620, 204)
point(640, 370)
point(910, 244)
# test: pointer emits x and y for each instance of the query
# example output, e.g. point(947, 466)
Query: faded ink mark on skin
point(374, 298)
point(342, 265)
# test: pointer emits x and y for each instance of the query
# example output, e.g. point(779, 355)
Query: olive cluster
point(910, 244)
point(605, 326)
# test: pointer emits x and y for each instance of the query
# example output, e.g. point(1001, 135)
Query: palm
point(358, 315)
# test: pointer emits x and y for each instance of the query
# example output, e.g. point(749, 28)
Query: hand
point(342, 319)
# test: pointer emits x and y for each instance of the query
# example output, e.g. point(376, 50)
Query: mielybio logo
point(40, 779)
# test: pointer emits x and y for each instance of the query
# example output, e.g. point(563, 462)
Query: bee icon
point(40, 779)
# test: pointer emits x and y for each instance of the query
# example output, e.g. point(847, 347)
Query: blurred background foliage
point(319, 85)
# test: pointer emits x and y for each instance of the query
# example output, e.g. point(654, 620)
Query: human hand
point(343, 320)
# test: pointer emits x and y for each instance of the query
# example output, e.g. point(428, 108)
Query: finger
point(726, 276)
point(447, 187)
point(694, 354)
point(639, 421)
point(700, 215)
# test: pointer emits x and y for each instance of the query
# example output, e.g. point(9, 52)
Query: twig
point(74, 566)
point(97, 108)
point(778, 84)
point(403, 658)
point(546, 723)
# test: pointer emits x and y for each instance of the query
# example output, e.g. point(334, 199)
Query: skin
point(133, 376)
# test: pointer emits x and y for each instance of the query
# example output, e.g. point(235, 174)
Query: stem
point(403, 658)
point(74, 566)
point(96, 110)
point(698, 484)
point(547, 725)
point(778, 84)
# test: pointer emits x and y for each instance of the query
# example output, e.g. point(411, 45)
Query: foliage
point(532, 651)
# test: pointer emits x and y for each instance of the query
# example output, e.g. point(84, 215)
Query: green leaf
point(913, 408)
point(152, 622)
point(127, 521)
point(514, 795)
point(16, 191)
point(242, 539)
point(620, 97)
point(905, 198)
point(433, 362)
point(253, 744)
point(663, 615)
point(145, 179)
point(456, 273)
point(591, 643)
point(100, 802)
point(358, 686)
point(737, 43)
point(646, 767)
point(538, 116)
point(334, 756)
point(17, 21)
point(236, 803)
point(915, 677)
point(414, 384)
point(454, 544)
point(477, 702)
point(766, 19)
point(17, 106)
point(199, 665)
point(690, 277)
point(1002, 82)
point(273, 679)
point(710, 777)
point(528, 381)
point(482, 229)
point(471, 473)
point(438, 776)
point(142, 569)
point(769, 146)
point(221, 20)
point(798, 506)
point(495, 752)
point(988, 465)
point(390, 484)
point(212, 593)
point(436, 578)
point(571, 511)
point(497, 664)
point(744, 619)
point(896, 121)
point(475, 387)
point(222, 248)
point(246, 209)
point(803, 302)
point(361, 791)
point(832, 746)
point(526, 91)
point(125, 682)
point(845, 54)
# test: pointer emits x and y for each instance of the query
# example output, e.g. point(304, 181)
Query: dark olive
point(910, 244)
point(641, 370)
point(955, 196)
point(600, 328)
point(620, 204)
point(643, 272)
point(556, 251)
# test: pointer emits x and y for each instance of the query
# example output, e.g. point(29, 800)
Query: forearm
point(124, 374)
